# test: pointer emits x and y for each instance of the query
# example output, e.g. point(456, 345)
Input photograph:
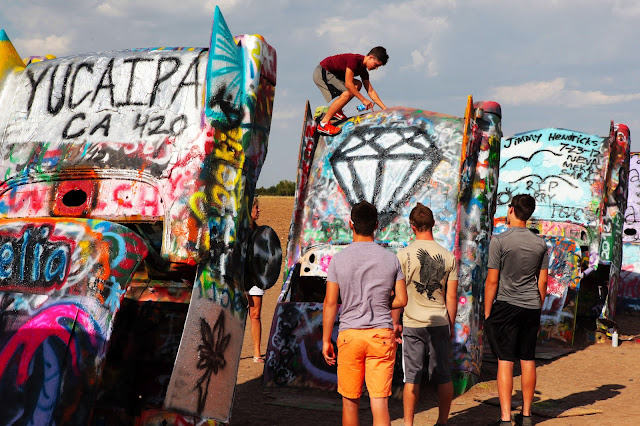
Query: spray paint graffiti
point(53, 337)
point(394, 159)
point(568, 188)
point(33, 260)
point(239, 99)
point(579, 182)
point(615, 206)
point(169, 142)
point(559, 309)
point(35, 359)
point(629, 290)
point(162, 418)
point(211, 350)
point(405, 156)
point(264, 258)
point(478, 192)
point(296, 340)
point(305, 158)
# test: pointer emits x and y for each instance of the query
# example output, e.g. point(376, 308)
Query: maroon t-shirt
point(338, 64)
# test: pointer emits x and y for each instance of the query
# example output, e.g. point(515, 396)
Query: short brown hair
point(380, 53)
point(421, 217)
point(364, 217)
point(523, 206)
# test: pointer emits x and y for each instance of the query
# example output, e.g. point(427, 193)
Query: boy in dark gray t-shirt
point(525, 254)
point(518, 269)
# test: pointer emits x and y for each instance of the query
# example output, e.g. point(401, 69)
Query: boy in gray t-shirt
point(369, 280)
point(518, 269)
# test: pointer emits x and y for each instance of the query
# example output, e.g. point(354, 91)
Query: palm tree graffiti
point(210, 355)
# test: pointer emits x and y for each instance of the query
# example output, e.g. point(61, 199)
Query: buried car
point(392, 158)
point(579, 182)
point(629, 289)
point(126, 184)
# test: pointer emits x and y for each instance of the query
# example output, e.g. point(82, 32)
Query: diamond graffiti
point(384, 166)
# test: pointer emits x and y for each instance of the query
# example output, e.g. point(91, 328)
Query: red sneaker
point(339, 116)
point(328, 129)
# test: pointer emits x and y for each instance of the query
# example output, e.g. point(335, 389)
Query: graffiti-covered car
point(394, 159)
point(629, 290)
point(579, 182)
point(125, 181)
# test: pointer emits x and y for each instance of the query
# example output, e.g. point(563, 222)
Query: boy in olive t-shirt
point(430, 273)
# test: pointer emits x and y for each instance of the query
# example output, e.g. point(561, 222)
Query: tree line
point(283, 188)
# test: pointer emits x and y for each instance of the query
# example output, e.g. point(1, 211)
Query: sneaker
point(522, 420)
point(328, 129)
point(500, 422)
point(339, 116)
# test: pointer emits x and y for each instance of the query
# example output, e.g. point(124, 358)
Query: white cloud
point(577, 98)
point(284, 114)
point(418, 59)
point(533, 92)
point(50, 45)
point(122, 8)
point(226, 6)
point(109, 10)
point(554, 92)
point(410, 24)
point(626, 9)
point(424, 59)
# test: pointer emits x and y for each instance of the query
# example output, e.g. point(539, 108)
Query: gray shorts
point(330, 85)
point(426, 348)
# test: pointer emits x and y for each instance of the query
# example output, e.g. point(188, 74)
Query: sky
point(570, 64)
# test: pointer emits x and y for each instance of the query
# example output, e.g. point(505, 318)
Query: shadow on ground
point(575, 404)
point(255, 404)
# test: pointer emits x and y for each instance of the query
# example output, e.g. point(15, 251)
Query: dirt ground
point(596, 384)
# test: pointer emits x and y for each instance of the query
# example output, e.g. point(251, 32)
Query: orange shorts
point(369, 355)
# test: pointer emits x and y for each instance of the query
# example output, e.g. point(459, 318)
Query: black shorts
point(512, 331)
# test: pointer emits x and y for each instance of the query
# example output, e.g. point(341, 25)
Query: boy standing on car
point(369, 280)
point(518, 269)
point(335, 79)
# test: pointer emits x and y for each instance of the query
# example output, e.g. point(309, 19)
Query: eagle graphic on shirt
point(432, 271)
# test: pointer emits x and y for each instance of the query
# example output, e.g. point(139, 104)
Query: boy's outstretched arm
point(373, 94)
point(329, 312)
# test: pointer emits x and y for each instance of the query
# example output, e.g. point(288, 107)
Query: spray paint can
point(614, 338)
point(361, 107)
